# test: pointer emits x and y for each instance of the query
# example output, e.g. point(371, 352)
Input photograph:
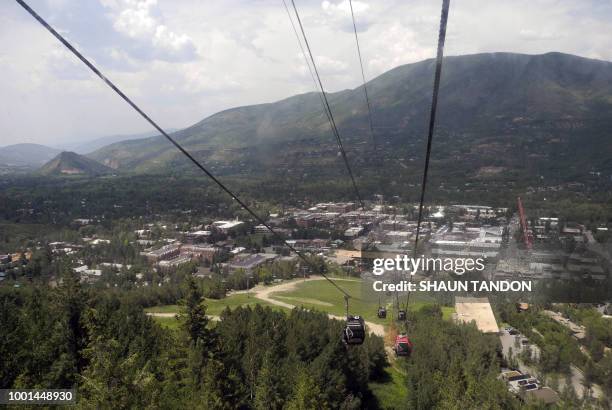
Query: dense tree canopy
point(103, 344)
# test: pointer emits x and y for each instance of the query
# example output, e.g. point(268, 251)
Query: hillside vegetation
point(501, 116)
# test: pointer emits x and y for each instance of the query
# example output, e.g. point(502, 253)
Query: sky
point(183, 60)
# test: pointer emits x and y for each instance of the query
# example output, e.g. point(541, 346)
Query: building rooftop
point(175, 262)
point(468, 244)
point(252, 261)
point(164, 249)
point(227, 224)
point(238, 249)
point(353, 231)
point(199, 233)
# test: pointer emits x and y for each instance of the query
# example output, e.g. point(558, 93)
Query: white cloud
point(120, 60)
point(137, 19)
point(343, 8)
point(534, 35)
point(396, 45)
point(338, 14)
point(330, 66)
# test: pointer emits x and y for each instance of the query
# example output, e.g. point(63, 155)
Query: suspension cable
point(97, 72)
point(332, 122)
point(307, 61)
point(314, 80)
point(346, 304)
point(432, 120)
point(299, 41)
point(365, 88)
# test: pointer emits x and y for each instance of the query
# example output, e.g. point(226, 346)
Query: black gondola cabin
point(354, 331)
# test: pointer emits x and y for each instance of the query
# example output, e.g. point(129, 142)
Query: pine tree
point(306, 394)
point(112, 378)
point(68, 333)
point(194, 312)
point(217, 388)
point(266, 390)
point(195, 324)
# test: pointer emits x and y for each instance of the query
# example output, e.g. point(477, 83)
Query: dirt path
point(263, 293)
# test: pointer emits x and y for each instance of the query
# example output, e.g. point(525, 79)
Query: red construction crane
point(526, 234)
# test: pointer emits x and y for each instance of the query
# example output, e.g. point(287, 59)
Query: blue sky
point(183, 60)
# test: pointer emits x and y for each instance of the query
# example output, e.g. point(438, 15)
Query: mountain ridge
point(26, 154)
point(89, 145)
point(488, 92)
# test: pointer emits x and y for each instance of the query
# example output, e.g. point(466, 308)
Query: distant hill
point(89, 145)
point(71, 163)
point(497, 111)
point(26, 155)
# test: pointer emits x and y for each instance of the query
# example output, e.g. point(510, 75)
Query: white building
point(227, 226)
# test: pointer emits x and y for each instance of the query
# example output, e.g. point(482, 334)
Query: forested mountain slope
point(551, 106)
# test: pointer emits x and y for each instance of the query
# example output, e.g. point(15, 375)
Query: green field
point(321, 295)
point(216, 306)
point(391, 392)
point(163, 309)
point(167, 322)
point(316, 295)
